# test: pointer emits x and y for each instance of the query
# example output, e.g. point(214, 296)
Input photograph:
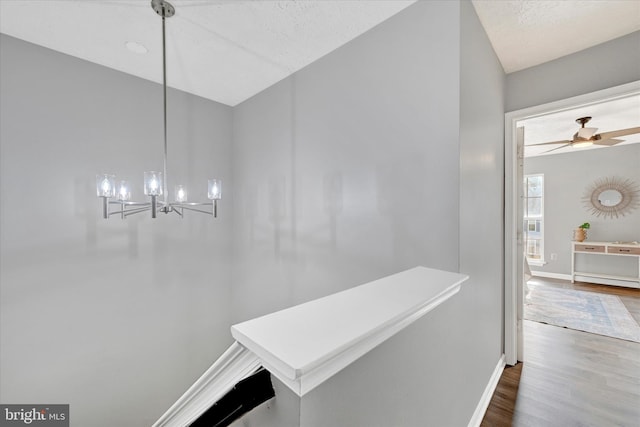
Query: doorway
point(514, 255)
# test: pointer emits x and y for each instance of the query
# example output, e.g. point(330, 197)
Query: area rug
point(584, 311)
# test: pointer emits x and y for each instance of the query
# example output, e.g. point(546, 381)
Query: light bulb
point(181, 194)
point(124, 194)
point(582, 144)
point(153, 183)
point(215, 189)
point(105, 185)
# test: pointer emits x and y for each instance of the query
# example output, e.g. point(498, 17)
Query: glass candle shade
point(153, 183)
point(124, 191)
point(215, 189)
point(106, 185)
point(181, 194)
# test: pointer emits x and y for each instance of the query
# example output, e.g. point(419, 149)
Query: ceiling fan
point(588, 136)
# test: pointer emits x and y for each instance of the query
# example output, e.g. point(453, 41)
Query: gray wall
point(365, 163)
point(607, 65)
point(116, 318)
point(421, 376)
point(567, 177)
point(348, 170)
point(482, 87)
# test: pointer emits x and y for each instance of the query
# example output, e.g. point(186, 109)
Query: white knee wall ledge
point(305, 345)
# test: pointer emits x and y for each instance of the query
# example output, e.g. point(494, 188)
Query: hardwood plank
point(571, 378)
point(503, 402)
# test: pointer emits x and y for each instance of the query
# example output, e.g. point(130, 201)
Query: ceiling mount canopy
point(163, 8)
point(583, 120)
point(155, 183)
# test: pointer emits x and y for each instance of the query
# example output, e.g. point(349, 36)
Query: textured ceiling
point(229, 50)
point(224, 50)
point(530, 32)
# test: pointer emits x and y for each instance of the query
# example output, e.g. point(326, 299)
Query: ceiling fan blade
point(621, 132)
point(557, 148)
point(608, 142)
point(549, 143)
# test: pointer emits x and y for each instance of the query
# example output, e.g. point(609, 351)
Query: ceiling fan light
point(586, 133)
point(582, 144)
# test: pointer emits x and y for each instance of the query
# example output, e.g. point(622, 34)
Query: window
point(534, 218)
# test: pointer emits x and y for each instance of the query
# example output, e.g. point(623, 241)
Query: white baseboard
point(606, 281)
point(551, 275)
point(588, 279)
point(483, 404)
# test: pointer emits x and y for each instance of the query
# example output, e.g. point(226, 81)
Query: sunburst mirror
point(612, 197)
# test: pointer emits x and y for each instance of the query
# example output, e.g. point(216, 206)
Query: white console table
point(606, 249)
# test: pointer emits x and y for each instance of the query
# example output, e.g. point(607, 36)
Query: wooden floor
point(571, 378)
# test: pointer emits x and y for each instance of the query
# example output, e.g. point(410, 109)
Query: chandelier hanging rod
point(164, 9)
point(154, 184)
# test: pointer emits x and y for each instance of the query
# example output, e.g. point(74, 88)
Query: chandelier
point(155, 183)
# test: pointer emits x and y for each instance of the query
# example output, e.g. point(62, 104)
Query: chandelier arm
point(196, 210)
point(136, 211)
point(120, 203)
point(114, 212)
point(183, 204)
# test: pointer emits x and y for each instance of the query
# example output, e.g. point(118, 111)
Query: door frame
point(512, 283)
